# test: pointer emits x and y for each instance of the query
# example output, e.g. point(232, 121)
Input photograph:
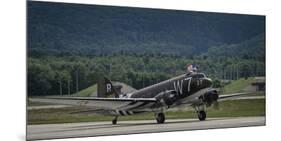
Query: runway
point(48, 131)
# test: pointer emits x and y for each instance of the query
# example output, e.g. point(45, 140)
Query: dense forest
point(71, 45)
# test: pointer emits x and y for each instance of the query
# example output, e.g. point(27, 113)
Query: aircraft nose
point(207, 82)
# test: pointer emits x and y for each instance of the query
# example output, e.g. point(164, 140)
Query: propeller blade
point(216, 105)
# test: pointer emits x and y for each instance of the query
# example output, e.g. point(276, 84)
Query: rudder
point(106, 88)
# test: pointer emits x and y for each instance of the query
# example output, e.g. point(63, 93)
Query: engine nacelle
point(210, 97)
point(169, 97)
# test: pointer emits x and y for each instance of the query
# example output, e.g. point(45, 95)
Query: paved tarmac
point(85, 129)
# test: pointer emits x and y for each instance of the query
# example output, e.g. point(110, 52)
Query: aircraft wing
point(104, 103)
point(232, 96)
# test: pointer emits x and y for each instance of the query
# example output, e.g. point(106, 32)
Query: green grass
point(238, 85)
point(231, 108)
point(86, 92)
point(235, 108)
point(29, 103)
point(83, 93)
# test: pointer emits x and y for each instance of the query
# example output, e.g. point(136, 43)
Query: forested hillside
point(70, 45)
point(57, 28)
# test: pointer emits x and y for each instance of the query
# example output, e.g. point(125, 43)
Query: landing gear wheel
point(160, 118)
point(201, 115)
point(114, 121)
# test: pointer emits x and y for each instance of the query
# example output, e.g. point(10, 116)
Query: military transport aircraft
point(191, 89)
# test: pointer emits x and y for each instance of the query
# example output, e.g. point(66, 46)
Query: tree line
point(61, 75)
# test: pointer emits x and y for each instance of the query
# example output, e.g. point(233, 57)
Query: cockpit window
point(199, 75)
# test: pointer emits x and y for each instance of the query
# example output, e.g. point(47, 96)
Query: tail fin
point(105, 88)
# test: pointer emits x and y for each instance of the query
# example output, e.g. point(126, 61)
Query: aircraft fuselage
point(175, 88)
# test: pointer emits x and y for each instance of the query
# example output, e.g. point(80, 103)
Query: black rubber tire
point(160, 118)
point(202, 115)
point(114, 121)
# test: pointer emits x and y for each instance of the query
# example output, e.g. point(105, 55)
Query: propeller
point(216, 104)
point(211, 98)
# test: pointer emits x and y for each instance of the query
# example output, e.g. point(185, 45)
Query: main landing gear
point(201, 115)
point(200, 110)
point(114, 121)
point(160, 118)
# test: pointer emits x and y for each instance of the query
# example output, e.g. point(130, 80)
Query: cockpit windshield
point(199, 75)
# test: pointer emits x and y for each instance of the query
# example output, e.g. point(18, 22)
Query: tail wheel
point(202, 115)
point(160, 118)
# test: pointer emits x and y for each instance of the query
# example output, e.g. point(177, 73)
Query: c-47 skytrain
point(190, 89)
